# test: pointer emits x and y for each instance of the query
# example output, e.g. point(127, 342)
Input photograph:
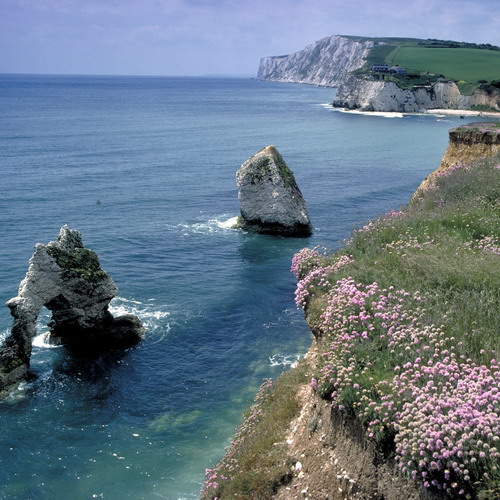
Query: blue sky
point(200, 37)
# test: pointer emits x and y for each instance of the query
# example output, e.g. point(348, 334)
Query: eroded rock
point(466, 144)
point(67, 278)
point(270, 200)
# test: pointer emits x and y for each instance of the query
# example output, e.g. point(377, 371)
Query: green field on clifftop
point(459, 61)
point(455, 63)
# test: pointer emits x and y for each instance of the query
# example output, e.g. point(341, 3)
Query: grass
point(414, 306)
point(81, 261)
point(256, 464)
point(462, 285)
point(469, 65)
point(406, 319)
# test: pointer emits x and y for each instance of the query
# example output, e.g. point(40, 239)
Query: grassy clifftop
point(425, 61)
point(406, 323)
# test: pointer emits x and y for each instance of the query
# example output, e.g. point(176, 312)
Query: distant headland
point(395, 74)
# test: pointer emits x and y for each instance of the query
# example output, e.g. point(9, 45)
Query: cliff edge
point(397, 398)
point(325, 62)
point(377, 95)
point(466, 144)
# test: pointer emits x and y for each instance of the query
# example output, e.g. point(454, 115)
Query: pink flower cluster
point(487, 244)
point(403, 378)
point(317, 280)
point(306, 260)
point(370, 330)
point(448, 429)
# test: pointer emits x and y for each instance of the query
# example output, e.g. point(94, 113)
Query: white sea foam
point(383, 114)
point(43, 340)
point(214, 225)
point(284, 360)
point(3, 335)
point(17, 394)
point(229, 223)
point(153, 315)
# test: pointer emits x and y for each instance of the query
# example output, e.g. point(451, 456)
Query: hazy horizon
point(212, 37)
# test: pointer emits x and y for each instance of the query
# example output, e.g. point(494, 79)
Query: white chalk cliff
point(325, 62)
point(370, 95)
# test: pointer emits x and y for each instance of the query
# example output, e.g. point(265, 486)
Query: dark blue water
point(145, 169)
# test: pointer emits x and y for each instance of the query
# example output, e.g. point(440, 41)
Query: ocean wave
point(3, 335)
point(18, 394)
point(43, 340)
point(153, 315)
point(284, 360)
point(216, 225)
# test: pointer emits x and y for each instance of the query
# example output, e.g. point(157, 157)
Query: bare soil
point(333, 460)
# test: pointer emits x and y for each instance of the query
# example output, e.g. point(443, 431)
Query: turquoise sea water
point(145, 169)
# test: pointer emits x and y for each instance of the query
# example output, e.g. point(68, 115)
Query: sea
point(144, 168)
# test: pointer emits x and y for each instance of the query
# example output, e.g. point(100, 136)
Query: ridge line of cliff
point(325, 62)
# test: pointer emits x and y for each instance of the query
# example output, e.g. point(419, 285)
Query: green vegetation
point(81, 261)
point(256, 464)
point(407, 315)
point(406, 318)
point(463, 286)
point(470, 65)
point(425, 61)
point(263, 169)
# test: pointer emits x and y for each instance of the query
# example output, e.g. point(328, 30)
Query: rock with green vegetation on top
point(270, 200)
point(66, 278)
point(466, 144)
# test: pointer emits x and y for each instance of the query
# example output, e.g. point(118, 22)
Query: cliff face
point(325, 62)
point(369, 95)
point(466, 144)
point(335, 460)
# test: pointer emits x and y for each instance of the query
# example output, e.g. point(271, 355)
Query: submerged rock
point(67, 278)
point(270, 200)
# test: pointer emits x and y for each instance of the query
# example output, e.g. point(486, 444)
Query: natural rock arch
point(66, 278)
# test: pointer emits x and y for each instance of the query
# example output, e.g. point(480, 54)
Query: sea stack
point(67, 278)
point(270, 200)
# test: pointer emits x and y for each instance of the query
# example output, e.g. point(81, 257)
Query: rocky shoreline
point(327, 451)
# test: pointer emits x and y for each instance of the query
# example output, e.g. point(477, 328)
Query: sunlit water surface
point(145, 169)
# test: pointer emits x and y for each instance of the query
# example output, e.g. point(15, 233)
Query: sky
point(213, 37)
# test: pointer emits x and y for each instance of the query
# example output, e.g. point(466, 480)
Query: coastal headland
point(395, 74)
point(398, 395)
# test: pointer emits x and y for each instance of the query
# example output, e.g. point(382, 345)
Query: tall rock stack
point(270, 200)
